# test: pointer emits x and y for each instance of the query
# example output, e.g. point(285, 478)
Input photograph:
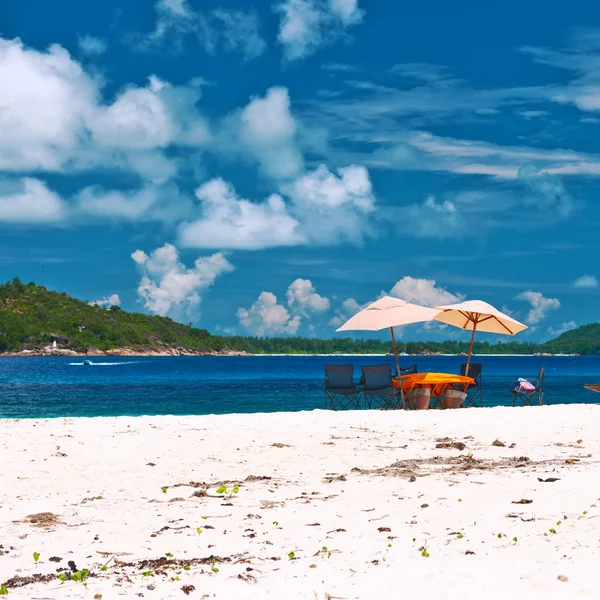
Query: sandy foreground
point(318, 505)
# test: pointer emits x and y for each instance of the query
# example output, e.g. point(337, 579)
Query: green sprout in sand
point(3, 591)
point(222, 489)
point(291, 555)
point(36, 556)
point(186, 567)
point(169, 554)
point(164, 489)
point(425, 554)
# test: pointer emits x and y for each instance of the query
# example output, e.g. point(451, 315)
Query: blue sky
point(268, 168)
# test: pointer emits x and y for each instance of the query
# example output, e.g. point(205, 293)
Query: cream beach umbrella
point(388, 312)
point(478, 315)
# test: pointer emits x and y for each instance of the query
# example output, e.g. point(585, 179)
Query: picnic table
point(438, 383)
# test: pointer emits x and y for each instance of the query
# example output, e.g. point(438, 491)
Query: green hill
point(32, 317)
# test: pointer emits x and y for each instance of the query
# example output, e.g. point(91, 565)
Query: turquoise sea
point(59, 386)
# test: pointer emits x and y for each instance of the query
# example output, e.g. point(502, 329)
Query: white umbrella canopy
point(388, 312)
point(476, 315)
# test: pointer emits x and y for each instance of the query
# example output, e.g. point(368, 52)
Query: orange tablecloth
point(436, 382)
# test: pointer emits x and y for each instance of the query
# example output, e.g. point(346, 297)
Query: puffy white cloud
point(92, 45)
point(425, 292)
point(167, 287)
point(562, 328)
point(307, 24)
point(268, 131)
point(540, 305)
point(267, 317)
point(322, 209)
point(107, 301)
point(333, 208)
point(29, 200)
point(231, 222)
point(53, 118)
point(586, 281)
point(45, 102)
point(303, 298)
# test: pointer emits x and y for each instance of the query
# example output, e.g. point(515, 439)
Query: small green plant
point(552, 530)
point(198, 530)
point(186, 567)
point(169, 554)
point(425, 554)
point(164, 490)
point(148, 574)
point(276, 523)
point(500, 535)
point(389, 545)
point(414, 540)
point(3, 591)
point(215, 569)
point(460, 536)
point(291, 555)
point(324, 549)
point(222, 489)
point(236, 489)
point(104, 568)
point(585, 512)
point(80, 575)
point(62, 577)
point(515, 539)
point(36, 556)
point(205, 518)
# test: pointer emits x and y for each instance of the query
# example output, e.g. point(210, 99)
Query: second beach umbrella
point(476, 315)
point(388, 312)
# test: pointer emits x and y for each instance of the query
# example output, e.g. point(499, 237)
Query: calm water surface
point(60, 386)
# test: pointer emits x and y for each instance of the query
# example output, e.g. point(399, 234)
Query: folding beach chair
point(340, 391)
point(527, 397)
point(474, 391)
point(378, 388)
point(409, 370)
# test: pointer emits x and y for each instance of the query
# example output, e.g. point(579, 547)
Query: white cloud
point(322, 209)
point(229, 30)
point(307, 24)
point(107, 301)
point(586, 281)
point(425, 292)
point(540, 305)
point(267, 317)
point(46, 100)
point(53, 118)
point(549, 192)
point(562, 328)
point(92, 46)
point(269, 133)
point(167, 287)
point(29, 200)
point(433, 219)
point(347, 309)
point(231, 222)
point(333, 208)
point(303, 298)
point(150, 203)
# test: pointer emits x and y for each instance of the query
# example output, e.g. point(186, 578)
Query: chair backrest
point(540, 380)
point(339, 376)
point(409, 370)
point(474, 371)
point(377, 377)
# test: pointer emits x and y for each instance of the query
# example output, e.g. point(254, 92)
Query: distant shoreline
point(131, 353)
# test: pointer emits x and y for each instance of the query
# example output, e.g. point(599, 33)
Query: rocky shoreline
point(125, 351)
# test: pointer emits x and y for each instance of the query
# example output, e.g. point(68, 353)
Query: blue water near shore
point(59, 386)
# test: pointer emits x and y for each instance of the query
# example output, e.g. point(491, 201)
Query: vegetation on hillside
point(32, 316)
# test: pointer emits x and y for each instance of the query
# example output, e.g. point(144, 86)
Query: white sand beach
point(319, 505)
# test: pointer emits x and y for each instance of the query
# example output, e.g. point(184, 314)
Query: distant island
point(38, 321)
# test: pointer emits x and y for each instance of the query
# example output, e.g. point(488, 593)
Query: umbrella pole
point(395, 353)
point(471, 347)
